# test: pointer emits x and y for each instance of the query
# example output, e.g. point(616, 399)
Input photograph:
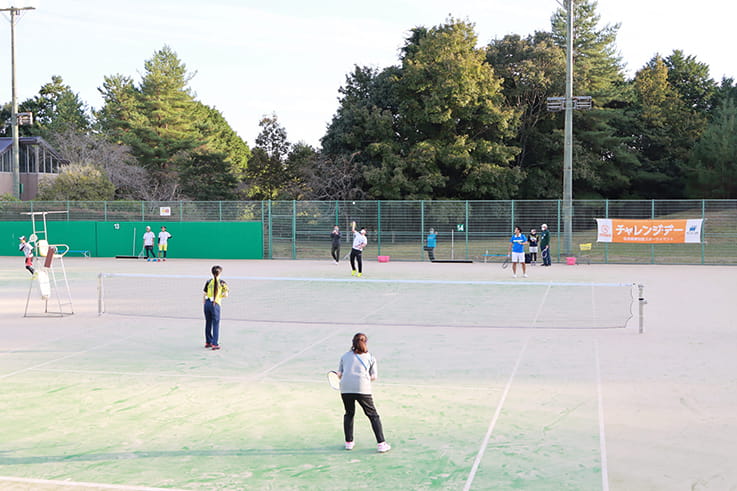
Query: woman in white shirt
point(357, 369)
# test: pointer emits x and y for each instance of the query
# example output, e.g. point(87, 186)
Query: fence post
point(271, 251)
point(465, 228)
point(378, 228)
point(294, 229)
point(511, 225)
point(557, 231)
point(652, 217)
point(703, 227)
point(422, 228)
point(606, 244)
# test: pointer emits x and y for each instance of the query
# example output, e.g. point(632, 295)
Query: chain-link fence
point(466, 230)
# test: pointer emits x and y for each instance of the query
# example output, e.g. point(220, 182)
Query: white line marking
point(295, 355)
point(602, 434)
point(92, 485)
point(498, 411)
point(70, 355)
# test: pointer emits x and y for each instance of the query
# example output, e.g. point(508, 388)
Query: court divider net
point(363, 301)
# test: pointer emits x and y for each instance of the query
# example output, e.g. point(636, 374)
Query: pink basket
point(383, 259)
point(571, 261)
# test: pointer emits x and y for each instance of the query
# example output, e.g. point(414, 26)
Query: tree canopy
point(454, 118)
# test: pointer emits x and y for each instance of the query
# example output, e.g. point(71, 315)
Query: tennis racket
point(506, 262)
point(334, 380)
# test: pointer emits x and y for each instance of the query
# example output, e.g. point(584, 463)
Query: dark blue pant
point(212, 322)
point(546, 256)
point(367, 403)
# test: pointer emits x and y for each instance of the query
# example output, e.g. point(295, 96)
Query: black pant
point(356, 258)
point(367, 404)
point(150, 249)
point(335, 252)
point(430, 253)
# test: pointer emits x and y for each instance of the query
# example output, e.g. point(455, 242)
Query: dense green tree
point(120, 112)
point(598, 69)
point(434, 127)
point(533, 69)
point(691, 81)
point(268, 171)
point(206, 176)
point(725, 91)
point(221, 138)
point(712, 168)
point(167, 106)
point(175, 138)
point(667, 128)
point(55, 108)
point(77, 182)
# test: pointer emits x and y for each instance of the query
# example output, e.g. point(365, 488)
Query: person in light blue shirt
point(517, 251)
point(356, 370)
point(431, 244)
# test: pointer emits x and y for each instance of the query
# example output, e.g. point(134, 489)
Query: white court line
point(295, 355)
point(540, 307)
point(60, 358)
point(498, 411)
point(602, 434)
point(92, 485)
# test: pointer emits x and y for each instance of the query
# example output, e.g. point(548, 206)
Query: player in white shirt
point(148, 244)
point(359, 242)
point(164, 237)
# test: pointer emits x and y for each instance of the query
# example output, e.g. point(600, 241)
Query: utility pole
point(14, 13)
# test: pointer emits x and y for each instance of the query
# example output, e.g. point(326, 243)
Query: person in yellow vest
point(214, 292)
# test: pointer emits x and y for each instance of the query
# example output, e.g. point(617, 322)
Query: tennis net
point(500, 304)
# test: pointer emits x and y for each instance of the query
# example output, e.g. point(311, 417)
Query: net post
point(99, 294)
point(641, 301)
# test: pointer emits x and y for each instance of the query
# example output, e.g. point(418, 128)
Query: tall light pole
point(568, 139)
point(14, 13)
point(568, 104)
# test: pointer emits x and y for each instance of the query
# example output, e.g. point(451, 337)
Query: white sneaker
point(383, 447)
point(349, 445)
point(525, 275)
point(514, 276)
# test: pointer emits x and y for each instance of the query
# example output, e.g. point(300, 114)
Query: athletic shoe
point(215, 347)
point(353, 273)
point(208, 345)
point(514, 276)
point(349, 445)
point(383, 447)
point(359, 274)
point(525, 275)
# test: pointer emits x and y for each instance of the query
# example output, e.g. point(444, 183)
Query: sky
point(252, 59)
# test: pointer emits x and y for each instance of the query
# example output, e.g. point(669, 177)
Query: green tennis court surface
point(136, 402)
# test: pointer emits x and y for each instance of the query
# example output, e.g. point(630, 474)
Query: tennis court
point(135, 402)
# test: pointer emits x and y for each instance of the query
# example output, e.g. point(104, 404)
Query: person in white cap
point(27, 250)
